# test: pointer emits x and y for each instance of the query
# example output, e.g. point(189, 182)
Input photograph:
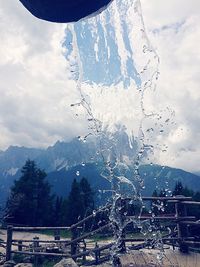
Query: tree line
point(163, 207)
point(31, 202)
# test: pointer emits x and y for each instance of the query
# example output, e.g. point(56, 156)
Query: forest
point(31, 202)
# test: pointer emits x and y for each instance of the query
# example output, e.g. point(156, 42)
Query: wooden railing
point(73, 248)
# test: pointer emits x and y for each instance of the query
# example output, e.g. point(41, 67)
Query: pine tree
point(178, 190)
point(30, 202)
point(58, 211)
point(80, 202)
point(75, 204)
point(87, 196)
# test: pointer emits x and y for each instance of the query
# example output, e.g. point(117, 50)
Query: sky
point(173, 27)
point(36, 92)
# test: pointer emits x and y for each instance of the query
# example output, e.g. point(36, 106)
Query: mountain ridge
point(65, 161)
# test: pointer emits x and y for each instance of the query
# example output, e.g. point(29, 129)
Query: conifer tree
point(80, 202)
point(178, 190)
point(87, 195)
point(30, 201)
point(75, 204)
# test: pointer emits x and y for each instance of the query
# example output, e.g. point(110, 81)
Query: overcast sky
point(35, 92)
point(173, 27)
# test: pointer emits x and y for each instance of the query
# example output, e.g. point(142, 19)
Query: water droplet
point(83, 164)
point(94, 212)
point(77, 173)
point(159, 257)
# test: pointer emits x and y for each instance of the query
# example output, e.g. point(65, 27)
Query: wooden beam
point(22, 228)
point(173, 218)
point(41, 253)
point(90, 216)
point(151, 239)
point(178, 198)
point(192, 223)
point(191, 202)
point(192, 242)
point(88, 252)
point(41, 241)
point(88, 234)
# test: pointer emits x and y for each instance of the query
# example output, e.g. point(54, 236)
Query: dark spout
point(62, 11)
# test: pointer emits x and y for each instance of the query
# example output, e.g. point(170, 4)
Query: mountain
point(64, 162)
point(160, 177)
point(53, 158)
point(61, 180)
point(14, 158)
point(153, 175)
point(65, 154)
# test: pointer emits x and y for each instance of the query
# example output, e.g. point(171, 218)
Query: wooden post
point(173, 244)
point(181, 229)
point(177, 217)
point(123, 243)
point(20, 245)
point(122, 212)
point(36, 249)
point(97, 253)
point(9, 242)
point(36, 243)
point(184, 231)
point(74, 233)
point(84, 250)
point(184, 228)
point(57, 234)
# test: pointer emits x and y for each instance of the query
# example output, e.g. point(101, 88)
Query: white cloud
point(174, 30)
point(161, 13)
point(35, 91)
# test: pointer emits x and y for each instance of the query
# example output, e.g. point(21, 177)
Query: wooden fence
point(77, 246)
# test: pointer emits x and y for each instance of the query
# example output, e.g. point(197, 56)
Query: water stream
point(114, 65)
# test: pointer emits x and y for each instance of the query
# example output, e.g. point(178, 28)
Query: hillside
point(64, 162)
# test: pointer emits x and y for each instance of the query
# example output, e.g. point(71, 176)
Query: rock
point(66, 263)
point(24, 265)
point(9, 264)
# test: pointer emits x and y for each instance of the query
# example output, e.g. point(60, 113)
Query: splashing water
point(114, 65)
